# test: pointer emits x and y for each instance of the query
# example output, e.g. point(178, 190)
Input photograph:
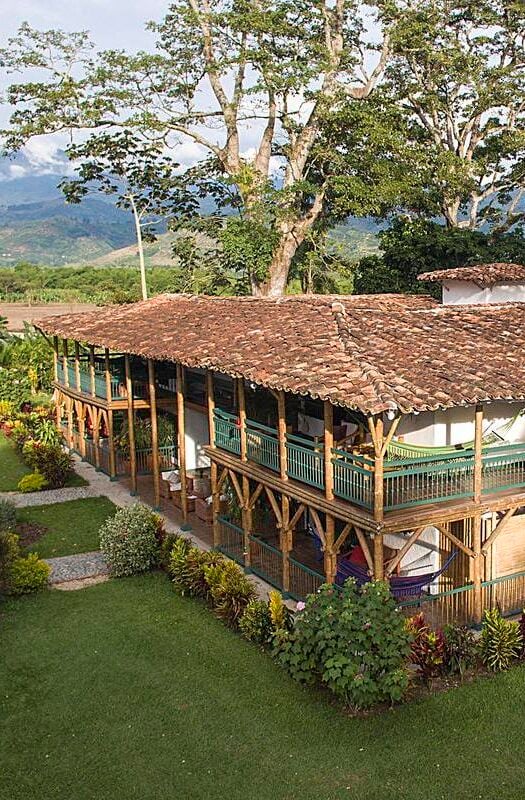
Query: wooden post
point(95, 419)
point(247, 522)
point(77, 367)
point(283, 454)
point(69, 409)
point(378, 429)
point(92, 369)
point(286, 544)
point(215, 497)
point(131, 425)
point(65, 363)
point(242, 418)
point(181, 438)
point(328, 445)
point(477, 567)
point(211, 407)
point(58, 412)
point(478, 453)
point(154, 432)
point(111, 440)
point(55, 358)
point(330, 557)
point(82, 429)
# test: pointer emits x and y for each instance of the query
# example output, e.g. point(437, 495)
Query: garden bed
point(12, 468)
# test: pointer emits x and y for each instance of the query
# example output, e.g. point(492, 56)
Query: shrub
point(49, 459)
point(351, 641)
point(9, 552)
point(7, 515)
point(230, 590)
point(6, 410)
point(427, 648)
point(34, 482)
point(169, 542)
point(29, 574)
point(501, 641)
point(461, 649)
point(256, 622)
point(188, 570)
point(128, 540)
point(281, 617)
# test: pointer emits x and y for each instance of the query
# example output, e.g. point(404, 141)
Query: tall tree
point(254, 83)
point(142, 179)
point(458, 71)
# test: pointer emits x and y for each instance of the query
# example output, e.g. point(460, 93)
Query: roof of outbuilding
point(483, 275)
point(371, 353)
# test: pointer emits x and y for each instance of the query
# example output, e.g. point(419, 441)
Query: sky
point(112, 24)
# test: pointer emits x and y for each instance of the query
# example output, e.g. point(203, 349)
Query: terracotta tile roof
point(483, 275)
point(370, 353)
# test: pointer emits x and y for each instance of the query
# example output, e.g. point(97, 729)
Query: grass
point(12, 468)
point(126, 690)
point(72, 527)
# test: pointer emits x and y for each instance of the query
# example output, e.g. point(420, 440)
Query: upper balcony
point(90, 379)
point(406, 483)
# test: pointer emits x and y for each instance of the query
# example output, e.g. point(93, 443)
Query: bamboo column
point(82, 428)
point(330, 557)
point(247, 522)
point(328, 445)
point(69, 403)
point(131, 425)
point(378, 437)
point(111, 440)
point(181, 438)
point(285, 542)
point(476, 521)
point(65, 363)
point(96, 416)
point(154, 432)
point(211, 407)
point(215, 500)
point(58, 411)
point(92, 370)
point(242, 418)
point(77, 367)
point(283, 455)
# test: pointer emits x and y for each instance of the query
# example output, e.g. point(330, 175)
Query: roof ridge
point(369, 371)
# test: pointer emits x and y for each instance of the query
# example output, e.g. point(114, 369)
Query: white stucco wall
point(197, 435)
point(422, 557)
point(465, 292)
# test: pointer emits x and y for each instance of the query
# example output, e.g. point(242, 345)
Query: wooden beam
point(65, 363)
point(454, 539)
point(181, 440)
point(390, 435)
point(210, 394)
point(500, 527)
point(379, 557)
point(281, 429)
point(255, 496)
point(343, 536)
point(55, 358)
point(371, 428)
point(77, 366)
point(222, 478)
point(478, 453)
point(318, 525)
point(236, 485)
point(476, 567)
point(241, 399)
point(361, 538)
point(247, 522)
point(328, 447)
point(297, 516)
point(275, 506)
point(92, 370)
point(154, 431)
point(378, 474)
point(131, 425)
point(285, 541)
point(410, 542)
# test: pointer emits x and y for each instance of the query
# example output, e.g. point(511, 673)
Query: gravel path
point(25, 499)
point(77, 568)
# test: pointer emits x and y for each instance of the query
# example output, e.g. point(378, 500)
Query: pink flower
point(300, 606)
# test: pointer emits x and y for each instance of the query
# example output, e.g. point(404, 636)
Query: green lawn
point(72, 527)
point(124, 690)
point(12, 468)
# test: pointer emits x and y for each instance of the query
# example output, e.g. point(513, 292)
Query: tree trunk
point(278, 271)
point(140, 247)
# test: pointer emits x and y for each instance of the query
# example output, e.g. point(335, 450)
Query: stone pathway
point(77, 567)
point(26, 499)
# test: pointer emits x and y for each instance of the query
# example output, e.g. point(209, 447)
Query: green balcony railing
point(305, 460)
point(227, 431)
point(262, 445)
point(353, 478)
point(117, 380)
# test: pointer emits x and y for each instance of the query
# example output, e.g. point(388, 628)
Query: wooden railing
point(262, 445)
point(305, 460)
point(428, 480)
point(117, 380)
point(303, 580)
point(266, 561)
point(227, 431)
point(167, 458)
point(353, 478)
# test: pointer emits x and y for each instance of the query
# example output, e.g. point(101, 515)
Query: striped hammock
point(491, 438)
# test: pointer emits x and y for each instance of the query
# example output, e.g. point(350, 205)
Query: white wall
point(467, 292)
point(422, 557)
point(197, 435)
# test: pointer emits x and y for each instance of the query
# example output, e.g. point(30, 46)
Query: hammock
point(400, 586)
point(404, 450)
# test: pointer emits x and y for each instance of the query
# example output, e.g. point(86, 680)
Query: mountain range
point(38, 226)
